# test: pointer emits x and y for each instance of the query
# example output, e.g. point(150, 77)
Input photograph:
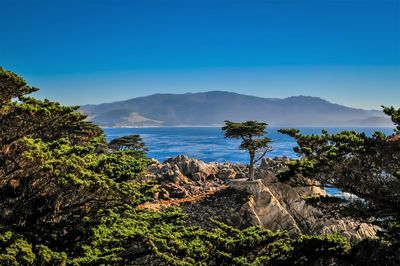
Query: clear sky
point(92, 51)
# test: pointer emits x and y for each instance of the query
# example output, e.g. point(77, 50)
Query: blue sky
point(92, 51)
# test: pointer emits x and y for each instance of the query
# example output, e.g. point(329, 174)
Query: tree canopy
point(252, 134)
point(365, 166)
point(67, 199)
point(131, 142)
point(53, 172)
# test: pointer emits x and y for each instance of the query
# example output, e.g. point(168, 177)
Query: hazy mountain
point(212, 108)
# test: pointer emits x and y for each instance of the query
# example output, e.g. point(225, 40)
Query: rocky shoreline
point(220, 191)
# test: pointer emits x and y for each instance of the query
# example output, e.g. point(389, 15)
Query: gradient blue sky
point(92, 51)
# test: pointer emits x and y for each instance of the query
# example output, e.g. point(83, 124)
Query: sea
point(209, 145)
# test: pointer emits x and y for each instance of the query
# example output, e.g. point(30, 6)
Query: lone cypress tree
point(252, 134)
point(131, 142)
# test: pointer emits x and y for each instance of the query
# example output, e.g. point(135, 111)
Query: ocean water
point(208, 143)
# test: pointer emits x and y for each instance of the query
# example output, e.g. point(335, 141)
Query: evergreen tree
point(65, 199)
point(53, 172)
point(131, 142)
point(365, 166)
point(252, 134)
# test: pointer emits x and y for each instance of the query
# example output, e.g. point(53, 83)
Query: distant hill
point(212, 108)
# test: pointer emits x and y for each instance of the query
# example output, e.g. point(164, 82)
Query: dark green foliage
point(121, 166)
point(376, 252)
point(165, 237)
point(249, 128)
point(54, 171)
point(67, 199)
point(253, 141)
point(367, 166)
point(12, 86)
point(15, 250)
point(394, 115)
point(131, 142)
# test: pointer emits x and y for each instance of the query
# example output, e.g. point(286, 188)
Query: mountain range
point(212, 108)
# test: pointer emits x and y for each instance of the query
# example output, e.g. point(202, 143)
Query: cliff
point(220, 191)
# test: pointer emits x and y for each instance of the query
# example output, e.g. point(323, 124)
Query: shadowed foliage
point(365, 166)
point(67, 199)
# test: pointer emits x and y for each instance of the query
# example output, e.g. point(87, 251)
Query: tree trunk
point(251, 167)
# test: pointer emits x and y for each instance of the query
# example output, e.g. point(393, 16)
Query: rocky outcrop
point(181, 176)
point(276, 205)
point(263, 208)
point(266, 202)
